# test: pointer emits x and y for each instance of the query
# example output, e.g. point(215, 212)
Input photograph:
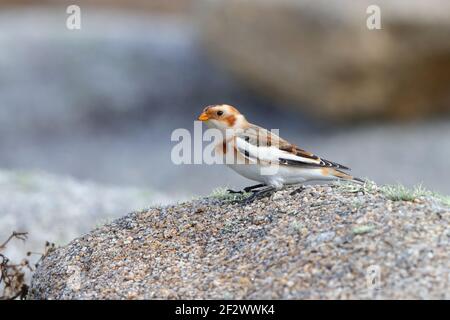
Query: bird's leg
point(247, 189)
point(267, 190)
point(256, 186)
point(298, 190)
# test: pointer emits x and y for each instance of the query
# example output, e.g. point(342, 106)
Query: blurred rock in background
point(57, 209)
point(159, 6)
point(320, 57)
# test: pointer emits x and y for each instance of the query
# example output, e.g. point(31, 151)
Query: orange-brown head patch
point(230, 120)
point(220, 112)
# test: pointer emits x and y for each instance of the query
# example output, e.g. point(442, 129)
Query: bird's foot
point(298, 190)
point(267, 191)
point(246, 189)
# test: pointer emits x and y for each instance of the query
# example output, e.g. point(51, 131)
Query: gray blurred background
point(86, 115)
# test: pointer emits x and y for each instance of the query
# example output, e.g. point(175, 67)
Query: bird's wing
point(259, 145)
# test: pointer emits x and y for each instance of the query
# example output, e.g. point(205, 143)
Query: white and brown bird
point(264, 157)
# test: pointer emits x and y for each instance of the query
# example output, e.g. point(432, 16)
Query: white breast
point(249, 171)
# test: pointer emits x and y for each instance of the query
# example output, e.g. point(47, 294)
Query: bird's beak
point(203, 117)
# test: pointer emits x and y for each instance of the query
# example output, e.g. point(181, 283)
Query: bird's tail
point(345, 176)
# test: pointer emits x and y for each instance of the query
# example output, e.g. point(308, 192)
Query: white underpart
point(283, 175)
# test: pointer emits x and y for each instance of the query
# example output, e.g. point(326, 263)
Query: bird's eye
point(219, 113)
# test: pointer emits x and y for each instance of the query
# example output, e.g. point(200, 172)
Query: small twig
point(12, 275)
point(18, 235)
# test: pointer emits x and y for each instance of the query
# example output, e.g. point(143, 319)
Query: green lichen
point(363, 229)
point(347, 186)
point(399, 192)
point(223, 195)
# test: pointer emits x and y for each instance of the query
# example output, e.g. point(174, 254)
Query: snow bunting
point(254, 149)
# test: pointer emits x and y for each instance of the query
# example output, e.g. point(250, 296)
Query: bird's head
point(223, 116)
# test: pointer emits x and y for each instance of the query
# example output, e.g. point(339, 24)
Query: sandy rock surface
point(319, 243)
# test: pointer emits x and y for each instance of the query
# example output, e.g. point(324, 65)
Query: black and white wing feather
point(258, 145)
